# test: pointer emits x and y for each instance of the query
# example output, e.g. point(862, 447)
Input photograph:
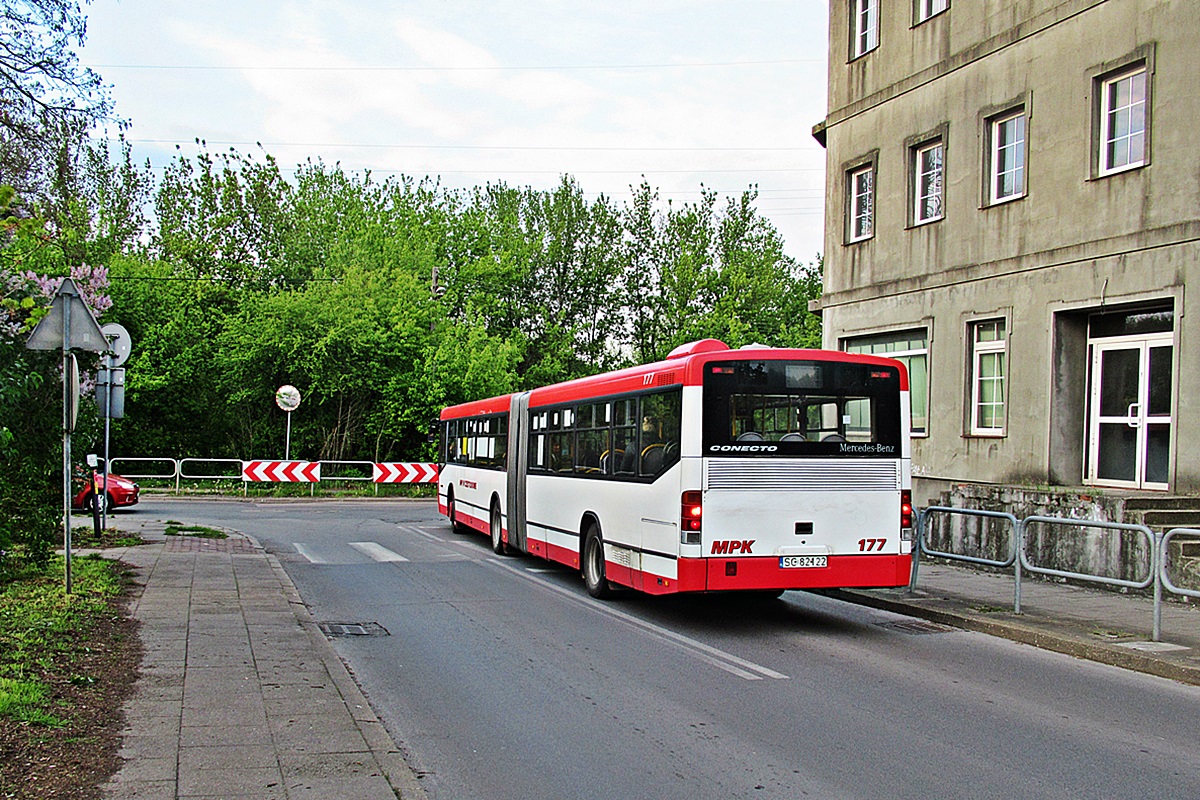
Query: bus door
point(518, 467)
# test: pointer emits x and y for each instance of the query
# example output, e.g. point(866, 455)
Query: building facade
point(1013, 209)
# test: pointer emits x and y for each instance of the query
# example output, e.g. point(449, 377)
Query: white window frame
point(926, 9)
point(929, 182)
point(864, 26)
point(861, 226)
point(1112, 115)
point(886, 344)
point(993, 351)
point(999, 150)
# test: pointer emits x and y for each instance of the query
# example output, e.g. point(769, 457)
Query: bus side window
point(592, 424)
point(501, 445)
point(625, 426)
point(661, 424)
point(562, 440)
point(537, 443)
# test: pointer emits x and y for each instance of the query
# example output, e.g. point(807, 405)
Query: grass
point(1111, 635)
point(84, 536)
point(199, 531)
point(989, 609)
point(42, 630)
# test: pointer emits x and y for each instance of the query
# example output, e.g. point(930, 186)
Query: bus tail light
point(906, 516)
point(691, 511)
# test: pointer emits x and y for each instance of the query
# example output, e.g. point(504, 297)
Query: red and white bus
point(756, 469)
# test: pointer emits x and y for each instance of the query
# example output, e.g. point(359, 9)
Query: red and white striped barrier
point(404, 472)
point(282, 471)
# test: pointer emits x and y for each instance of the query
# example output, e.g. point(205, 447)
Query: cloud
point(493, 91)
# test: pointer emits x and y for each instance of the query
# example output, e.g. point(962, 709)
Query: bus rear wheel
point(497, 527)
point(593, 564)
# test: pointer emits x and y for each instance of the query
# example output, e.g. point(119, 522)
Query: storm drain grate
point(352, 629)
point(916, 626)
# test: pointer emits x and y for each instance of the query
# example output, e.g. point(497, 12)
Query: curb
point(1029, 632)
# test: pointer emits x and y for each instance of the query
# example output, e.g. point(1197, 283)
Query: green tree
point(46, 98)
point(699, 271)
point(385, 300)
point(30, 394)
point(226, 217)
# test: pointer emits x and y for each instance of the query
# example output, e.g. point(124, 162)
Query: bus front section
point(806, 477)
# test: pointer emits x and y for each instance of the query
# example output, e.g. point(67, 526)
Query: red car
point(121, 492)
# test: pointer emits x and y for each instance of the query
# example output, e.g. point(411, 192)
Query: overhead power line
point(432, 173)
point(397, 146)
point(404, 68)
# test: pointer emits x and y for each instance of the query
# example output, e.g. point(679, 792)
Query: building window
point(929, 8)
point(912, 349)
point(988, 348)
point(928, 183)
point(1122, 128)
point(861, 196)
point(1006, 169)
point(865, 24)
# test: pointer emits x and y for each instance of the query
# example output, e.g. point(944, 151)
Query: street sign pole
point(66, 348)
point(287, 397)
point(103, 501)
point(68, 325)
point(119, 345)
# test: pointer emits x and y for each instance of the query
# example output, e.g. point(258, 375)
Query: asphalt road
point(501, 678)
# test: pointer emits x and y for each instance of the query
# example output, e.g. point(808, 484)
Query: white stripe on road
point(734, 665)
point(419, 532)
point(377, 551)
point(303, 550)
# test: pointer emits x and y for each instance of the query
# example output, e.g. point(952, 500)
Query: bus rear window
point(801, 408)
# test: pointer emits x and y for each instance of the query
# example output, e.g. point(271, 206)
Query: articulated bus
point(756, 469)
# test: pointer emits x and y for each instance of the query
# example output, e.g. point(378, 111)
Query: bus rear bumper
point(765, 573)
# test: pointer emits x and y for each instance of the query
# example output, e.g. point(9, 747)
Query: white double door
point(1129, 418)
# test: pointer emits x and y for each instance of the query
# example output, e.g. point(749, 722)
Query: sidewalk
point(1080, 621)
point(240, 695)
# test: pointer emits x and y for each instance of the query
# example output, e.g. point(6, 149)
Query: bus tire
point(496, 521)
point(455, 525)
point(593, 564)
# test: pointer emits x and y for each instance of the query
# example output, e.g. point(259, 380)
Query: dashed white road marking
point(313, 558)
point(376, 551)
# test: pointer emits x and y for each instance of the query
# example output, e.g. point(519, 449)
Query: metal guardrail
point(193, 469)
point(326, 476)
point(172, 475)
point(1013, 543)
point(1081, 576)
point(236, 476)
point(1164, 572)
point(368, 465)
point(1157, 573)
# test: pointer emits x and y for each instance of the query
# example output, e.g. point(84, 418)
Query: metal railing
point(172, 475)
point(1156, 572)
point(1013, 544)
point(227, 469)
point(326, 475)
point(1163, 564)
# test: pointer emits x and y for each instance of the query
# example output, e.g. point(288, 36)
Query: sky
point(682, 93)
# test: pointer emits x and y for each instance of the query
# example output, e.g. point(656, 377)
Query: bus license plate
point(802, 562)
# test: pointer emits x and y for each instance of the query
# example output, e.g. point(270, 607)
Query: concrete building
point(1013, 208)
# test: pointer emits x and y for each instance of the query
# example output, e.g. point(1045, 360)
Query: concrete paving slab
point(239, 688)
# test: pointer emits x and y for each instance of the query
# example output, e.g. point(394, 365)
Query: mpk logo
point(729, 547)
